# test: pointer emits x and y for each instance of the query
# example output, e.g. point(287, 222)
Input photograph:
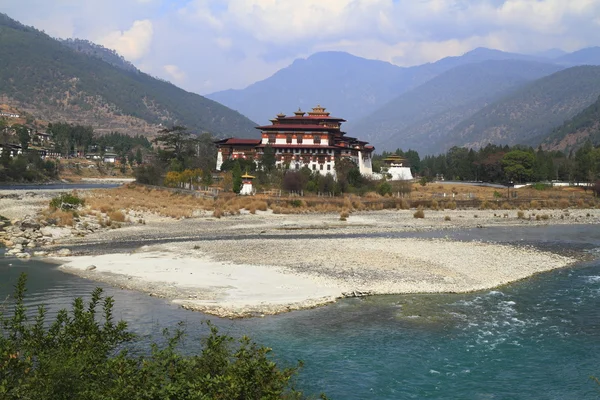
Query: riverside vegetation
point(85, 354)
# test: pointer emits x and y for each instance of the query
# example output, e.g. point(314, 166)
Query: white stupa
point(398, 168)
point(247, 189)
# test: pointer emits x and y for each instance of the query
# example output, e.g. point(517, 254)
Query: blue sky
point(210, 45)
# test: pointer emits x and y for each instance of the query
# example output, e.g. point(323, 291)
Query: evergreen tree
point(237, 177)
point(267, 161)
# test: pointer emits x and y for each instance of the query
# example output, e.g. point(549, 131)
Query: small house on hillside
point(13, 149)
point(110, 158)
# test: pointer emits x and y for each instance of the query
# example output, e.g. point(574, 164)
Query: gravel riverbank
point(263, 264)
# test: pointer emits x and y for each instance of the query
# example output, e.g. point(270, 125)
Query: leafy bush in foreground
point(85, 355)
point(66, 201)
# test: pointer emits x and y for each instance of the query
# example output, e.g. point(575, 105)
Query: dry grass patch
point(419, 213)
point(117, 216)
point(138, 198)
point(344, 215)
point(59, 217)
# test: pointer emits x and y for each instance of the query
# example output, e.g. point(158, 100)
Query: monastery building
point(312, 139)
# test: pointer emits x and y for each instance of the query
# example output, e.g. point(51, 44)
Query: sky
point(209, 45)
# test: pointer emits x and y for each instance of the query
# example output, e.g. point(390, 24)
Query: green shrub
point(66, 201)
point(541, 186)
point(296, 203)
point(384, 188)
point(84, 354)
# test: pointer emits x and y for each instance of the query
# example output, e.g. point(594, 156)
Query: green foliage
point(84, 354)
point(66, 201)
point(502, 164)
point(184, 150)
point(27, 167)
point(518, 165)
point(23, 135)
point(68, 138)
point(237, 177)
point(123, 144)
point(65, 79)
point(267, 161)
point(384, 188)
point(541, 186)
point(149, 174)
point(246, 164)
point(296, 203)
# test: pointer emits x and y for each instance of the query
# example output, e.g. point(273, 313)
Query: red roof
point(283, 127)
point(313, 117)
point(239, 142)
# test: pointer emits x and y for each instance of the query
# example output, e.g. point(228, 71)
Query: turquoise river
point(535, 339)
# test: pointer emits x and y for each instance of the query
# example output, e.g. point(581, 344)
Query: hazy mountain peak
point(587, 56)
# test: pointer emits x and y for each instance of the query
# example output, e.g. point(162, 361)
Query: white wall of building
point(400, 173)
point(219, 160)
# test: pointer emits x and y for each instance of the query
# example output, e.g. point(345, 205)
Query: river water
point(534, 339)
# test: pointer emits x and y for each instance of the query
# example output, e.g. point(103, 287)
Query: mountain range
point(576, 131)
point(80, 82)
point(350, 86)
point(530, 113)
point(426, 107)
point(422, 115)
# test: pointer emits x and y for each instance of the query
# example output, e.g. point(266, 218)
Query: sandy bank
point(224, 289)
point(234, 278)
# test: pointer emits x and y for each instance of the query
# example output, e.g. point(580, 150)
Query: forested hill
point(420, 118)
point(101, 52)
point(576, 131)
point(57, 82)
point(532, 111)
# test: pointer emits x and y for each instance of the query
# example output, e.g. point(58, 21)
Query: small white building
point(247, 189)
point(398, 168)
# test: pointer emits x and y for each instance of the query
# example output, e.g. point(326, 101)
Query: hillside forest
point(83, 83)
point(67, 140)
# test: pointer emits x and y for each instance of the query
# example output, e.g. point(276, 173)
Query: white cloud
point(209, 45)
point(224, 42)
point(133, 43)
point(175, 72)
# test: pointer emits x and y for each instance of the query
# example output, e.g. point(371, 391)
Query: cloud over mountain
point(220, 44)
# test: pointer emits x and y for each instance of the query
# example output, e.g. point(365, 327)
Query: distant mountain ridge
point(79, 82)
point(351, 87)
point(421, 117)
point(530, 113)
point(576, 131)
point(324, 78)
